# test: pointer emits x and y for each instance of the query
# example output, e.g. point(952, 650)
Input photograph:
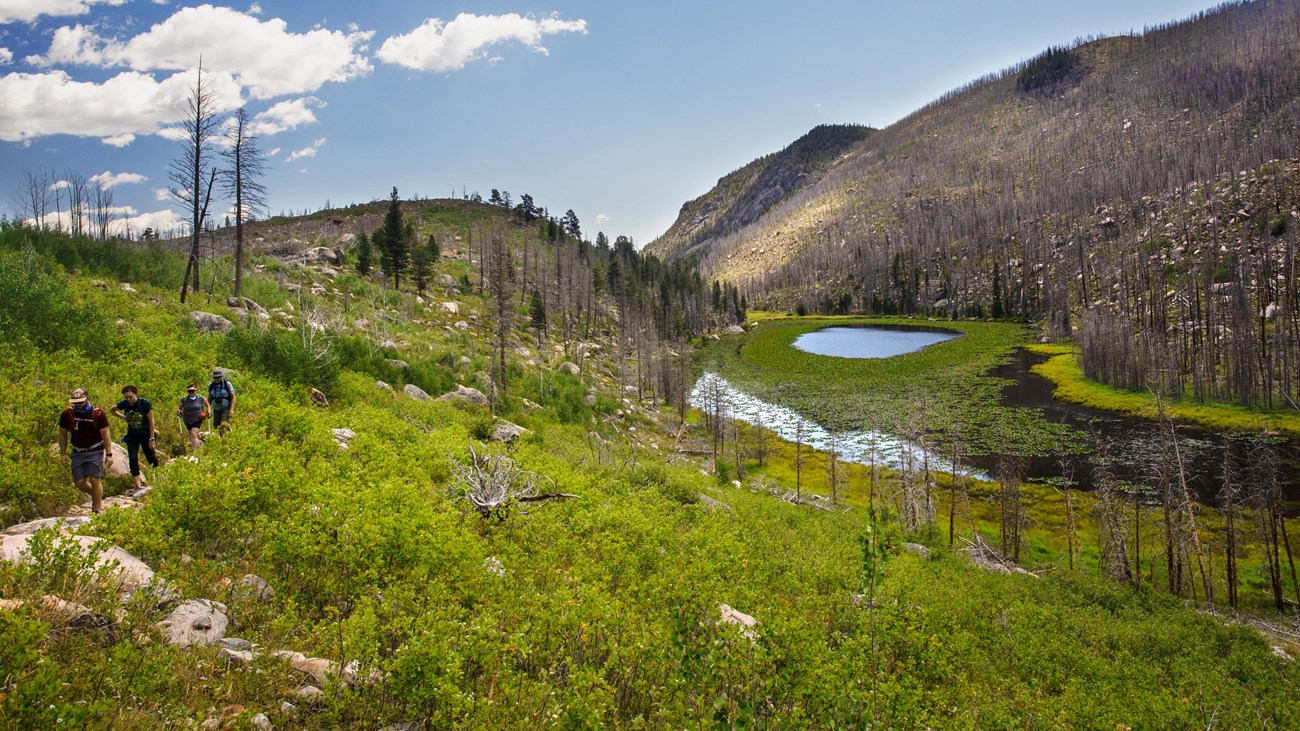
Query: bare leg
point(96, 495)
point(194, 439)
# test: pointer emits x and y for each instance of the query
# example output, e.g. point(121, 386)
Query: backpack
point(219, 394)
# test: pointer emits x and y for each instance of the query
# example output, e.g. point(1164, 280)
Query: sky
point(620, 111)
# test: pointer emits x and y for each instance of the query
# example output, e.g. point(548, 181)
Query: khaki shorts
point(87, 464)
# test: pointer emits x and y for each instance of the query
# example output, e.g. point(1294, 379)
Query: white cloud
point(161, 194)
point(601, 218)
point(262, 55)
point(285, 115)
point(439, 46)
point(28, 10)
point(255, 9)
point(309, 151)
point(60, 185)
point(168, 222)
point(274, 151)
point(108, 179)
point(6, 56)
point(121, 140)
point(130, 103)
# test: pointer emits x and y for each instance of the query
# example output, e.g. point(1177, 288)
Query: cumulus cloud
point(601, 218)
point(440, 46)
point(255, 9)
point(285, 115)
point(6, 56)
point(131, 103)
point(29, 10)
point(161, 194)
point(263, 56)
point(309, 151)
point(108, 179)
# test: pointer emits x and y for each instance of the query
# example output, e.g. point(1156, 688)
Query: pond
point(870, 341)
point(1127, 447)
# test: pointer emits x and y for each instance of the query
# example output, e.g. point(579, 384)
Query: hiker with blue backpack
point(221, 394)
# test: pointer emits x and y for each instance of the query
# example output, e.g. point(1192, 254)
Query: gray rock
point(450, 308)
point(261, 722)
point(288, 708)
point(398, 363)
point(236, 657)
point(571, 368)
point(506, 432)
point(466, 395)
point(383, 386)
point(195, 622)
point(130, 572)
point(323, 255)
point(745, 622)
point(62, 524)
point(713, 503)
point(415, 392)
point(735, 330)
point(255, 587)
point(917, 549)
point(461, 325)
point(446, 280)
point(208, 323)
point(309, 694)
point(235, 643)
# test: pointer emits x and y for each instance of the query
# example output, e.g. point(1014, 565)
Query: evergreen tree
point(363, 255)
point(537, 314)
point(420, 268)
point(395, 244)
point(434, 250)
point(569, 224)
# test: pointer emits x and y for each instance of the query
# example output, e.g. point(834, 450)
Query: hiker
point(140, 430)
point(86, 427)
point(221, 394)
point(192, 411)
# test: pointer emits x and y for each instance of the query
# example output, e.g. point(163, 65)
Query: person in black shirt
point(140, 431)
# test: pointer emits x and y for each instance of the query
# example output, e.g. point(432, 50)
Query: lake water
point(1126, 445)
point(870, 341)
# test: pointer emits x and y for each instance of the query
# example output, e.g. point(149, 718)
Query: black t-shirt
point(137, 416)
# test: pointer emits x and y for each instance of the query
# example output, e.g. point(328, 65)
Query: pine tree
point(537, 314)
point(434, 250)
point(364, 254)
point(997, 293)
point(393, 241)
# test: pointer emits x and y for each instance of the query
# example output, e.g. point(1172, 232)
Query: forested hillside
point(540, 555)
point(1138, 194)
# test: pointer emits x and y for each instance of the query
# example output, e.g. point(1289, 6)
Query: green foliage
point(1050, 70)
point(280, 354)
point(364, 253)
point(40, 310)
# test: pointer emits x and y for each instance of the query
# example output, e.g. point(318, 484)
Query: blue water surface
point(868, 341)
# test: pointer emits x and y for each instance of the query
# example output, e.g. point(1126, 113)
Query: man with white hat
point(85, 428)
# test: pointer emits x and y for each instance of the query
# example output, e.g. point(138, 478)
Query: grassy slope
point(605, 616)
point(1071, 385)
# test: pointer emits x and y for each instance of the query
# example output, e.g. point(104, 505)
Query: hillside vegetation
point(1138, 194)
point(603, 610)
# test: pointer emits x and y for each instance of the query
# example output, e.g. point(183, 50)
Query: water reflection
point(870, 341)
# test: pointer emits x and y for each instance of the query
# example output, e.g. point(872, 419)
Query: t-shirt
point(137, 416)
point(192, 408)
point(84, 426)
point(219, 393)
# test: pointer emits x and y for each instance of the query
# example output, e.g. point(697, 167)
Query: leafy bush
point(279, 354)
point(39, 309)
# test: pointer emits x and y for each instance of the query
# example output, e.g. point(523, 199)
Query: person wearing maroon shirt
point(85, 428)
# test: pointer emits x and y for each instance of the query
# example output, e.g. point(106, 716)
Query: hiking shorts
point(194, 424)
point(87, 464)
point(219, 417)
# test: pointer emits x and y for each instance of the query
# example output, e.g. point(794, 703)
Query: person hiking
point(221, 394)
point(140, 430)
point(192, 411)
point(84, 426)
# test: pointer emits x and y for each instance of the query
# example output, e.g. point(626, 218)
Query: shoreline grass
point(1062, 368)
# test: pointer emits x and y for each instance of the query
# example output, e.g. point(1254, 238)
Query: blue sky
point(620, 111)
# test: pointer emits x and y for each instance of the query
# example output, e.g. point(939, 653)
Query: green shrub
point(280, 354)
point(40, 309)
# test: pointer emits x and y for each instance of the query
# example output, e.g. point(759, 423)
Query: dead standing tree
point(494, 484)
point(192, 173)
point(241, 182)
